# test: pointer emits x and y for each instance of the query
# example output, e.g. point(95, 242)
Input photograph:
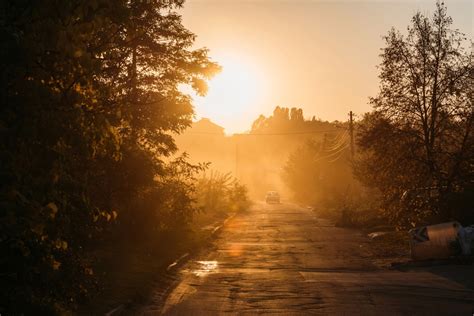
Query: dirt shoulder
point(385, 245)
point(131, 273)
point(390, 249)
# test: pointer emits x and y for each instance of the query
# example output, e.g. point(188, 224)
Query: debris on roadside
point(466, 238)
point(440, 241)
point(376, 235)
point(177, 262)
point(389, 246)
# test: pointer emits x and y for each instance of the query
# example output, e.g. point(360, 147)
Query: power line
point(338, 144)
point(339, 137)
point(338, 157)
point(289, 133)
point(334, 153)
point(263, 134)
point(337, 152)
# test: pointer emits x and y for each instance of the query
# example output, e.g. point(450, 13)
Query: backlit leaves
point(89, 100)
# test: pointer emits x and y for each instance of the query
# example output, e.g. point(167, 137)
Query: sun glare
point(233, 93)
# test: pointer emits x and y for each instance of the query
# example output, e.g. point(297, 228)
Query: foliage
point(318, 172)
point(417, 147)
point(89, 93)
point(285, 131)
point(220, 193)
point(287, 120)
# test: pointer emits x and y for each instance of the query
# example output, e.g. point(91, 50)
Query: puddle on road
point(205, 267)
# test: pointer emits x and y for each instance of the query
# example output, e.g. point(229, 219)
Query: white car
point(272, 197)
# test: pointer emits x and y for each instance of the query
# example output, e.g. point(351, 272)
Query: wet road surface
point(282, 259)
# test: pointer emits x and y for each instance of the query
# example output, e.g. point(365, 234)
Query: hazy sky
point(317, 55)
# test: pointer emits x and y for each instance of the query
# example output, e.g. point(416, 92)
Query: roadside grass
point(203, 220)
point(129, 273)
point(390, 247)
point(352, 218)
point(386, 244)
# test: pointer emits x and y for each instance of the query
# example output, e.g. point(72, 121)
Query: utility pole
point(236, 156)
point(350, 187)
point(351, 132)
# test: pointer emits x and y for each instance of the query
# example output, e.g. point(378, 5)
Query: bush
point(220, 194)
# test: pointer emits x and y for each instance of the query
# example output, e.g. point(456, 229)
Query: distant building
point(206, 126)
point(205, 141)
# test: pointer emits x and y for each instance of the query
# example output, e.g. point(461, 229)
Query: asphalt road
point(282, 259)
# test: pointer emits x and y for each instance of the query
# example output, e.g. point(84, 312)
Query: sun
point(236, 86)
point(234, 94)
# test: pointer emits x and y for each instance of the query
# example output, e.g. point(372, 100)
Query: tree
point(318, 172)
point(417, 146)
point(89, 93)
point(287, 120)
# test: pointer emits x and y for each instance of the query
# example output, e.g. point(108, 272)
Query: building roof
point(205, 125)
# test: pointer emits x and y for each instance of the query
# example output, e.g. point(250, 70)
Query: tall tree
point(418, 144)
point(89, 95)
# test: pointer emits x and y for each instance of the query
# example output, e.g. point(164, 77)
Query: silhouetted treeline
point(89, 96)
point(257, 158)
point(315, 165)
point(309, 155)
point(417, 146)
point(289, 120)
